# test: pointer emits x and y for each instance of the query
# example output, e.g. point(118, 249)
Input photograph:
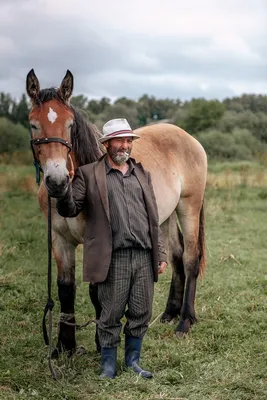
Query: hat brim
point(106, 138)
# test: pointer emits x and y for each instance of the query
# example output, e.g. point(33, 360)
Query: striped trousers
point(128, 290)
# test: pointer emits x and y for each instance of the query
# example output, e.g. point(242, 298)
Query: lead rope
point(71, 171)
point(50, 303)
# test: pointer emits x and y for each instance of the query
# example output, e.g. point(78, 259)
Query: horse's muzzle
point(55, 188)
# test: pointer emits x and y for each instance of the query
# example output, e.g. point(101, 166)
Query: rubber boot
point(132, 356)
point(108, 362)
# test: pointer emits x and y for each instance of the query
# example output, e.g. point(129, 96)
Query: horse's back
point(177, 163)
point(160, 141)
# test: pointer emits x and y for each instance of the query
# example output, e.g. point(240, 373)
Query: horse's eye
point(33, 126)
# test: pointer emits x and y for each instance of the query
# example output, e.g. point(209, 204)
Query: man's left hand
point(162, 267)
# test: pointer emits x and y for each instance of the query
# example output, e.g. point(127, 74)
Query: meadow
point(224, 357)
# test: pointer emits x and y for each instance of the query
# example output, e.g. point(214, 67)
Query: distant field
point(223, 358)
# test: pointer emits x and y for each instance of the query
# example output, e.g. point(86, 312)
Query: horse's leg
point(191, 217)
point(93, 292)
point(64, 253)
point(175, 253)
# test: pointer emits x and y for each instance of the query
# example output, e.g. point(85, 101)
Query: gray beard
point(121, 159)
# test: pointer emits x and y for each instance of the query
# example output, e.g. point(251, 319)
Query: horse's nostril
point(47, 180)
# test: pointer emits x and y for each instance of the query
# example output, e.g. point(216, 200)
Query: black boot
point(132, 355)
point(108, 362)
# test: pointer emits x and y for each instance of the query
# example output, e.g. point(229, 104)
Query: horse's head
point(51, 119)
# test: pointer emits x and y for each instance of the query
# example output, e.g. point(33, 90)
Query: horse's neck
point(73, 163)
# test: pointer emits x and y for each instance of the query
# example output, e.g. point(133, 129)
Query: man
point(123, 247)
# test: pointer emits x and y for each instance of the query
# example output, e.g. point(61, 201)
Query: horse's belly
point(167, 196)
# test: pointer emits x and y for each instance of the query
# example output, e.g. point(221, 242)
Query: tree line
point(233, 129)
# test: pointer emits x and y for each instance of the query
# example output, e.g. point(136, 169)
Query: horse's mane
point(84, 135)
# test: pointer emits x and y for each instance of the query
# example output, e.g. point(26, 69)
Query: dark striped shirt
point(128, 214)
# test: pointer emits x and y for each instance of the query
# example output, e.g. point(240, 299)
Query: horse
point(63, 140)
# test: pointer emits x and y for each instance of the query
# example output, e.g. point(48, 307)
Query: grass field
point(223, 358)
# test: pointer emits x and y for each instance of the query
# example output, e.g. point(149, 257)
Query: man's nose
point(124, 145)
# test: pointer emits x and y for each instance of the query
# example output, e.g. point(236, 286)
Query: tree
point(79, 101)
point(6, 105)
point(118, 111)
point(239, 145)
point(125, 101)
point(13, 137)
point(20, 112)
point(203, 114)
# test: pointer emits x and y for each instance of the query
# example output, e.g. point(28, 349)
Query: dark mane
point(84, 135)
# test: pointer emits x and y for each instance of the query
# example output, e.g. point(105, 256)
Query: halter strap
point(51, 140)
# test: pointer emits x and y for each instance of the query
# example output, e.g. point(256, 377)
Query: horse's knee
point(191, 262)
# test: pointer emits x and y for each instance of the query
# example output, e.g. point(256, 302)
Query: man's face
point(119, 149)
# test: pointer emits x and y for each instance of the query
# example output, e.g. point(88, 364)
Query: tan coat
point(88, 192)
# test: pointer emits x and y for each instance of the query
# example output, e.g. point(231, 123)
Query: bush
point(256, 123)
point(238, 145)
point(13, 137)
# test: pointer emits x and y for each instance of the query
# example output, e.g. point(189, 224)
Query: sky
point(114, 48)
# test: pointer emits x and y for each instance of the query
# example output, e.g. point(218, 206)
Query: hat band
point(120, 132)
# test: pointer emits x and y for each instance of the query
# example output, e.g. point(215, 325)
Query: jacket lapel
point(101, 180)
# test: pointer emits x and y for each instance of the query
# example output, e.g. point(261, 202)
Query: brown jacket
point(88, 192)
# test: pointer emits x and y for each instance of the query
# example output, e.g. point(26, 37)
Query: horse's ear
point(32, 86)
point(66, 86)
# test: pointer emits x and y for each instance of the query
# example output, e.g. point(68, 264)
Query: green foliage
point(20, 112)
point(202, 114)
point(118, 110)
point(6, 105)
point(215, 123)
point(79, 101)
point(151, 109)
point(252, 102)
point(13, 137)
point(239, 144)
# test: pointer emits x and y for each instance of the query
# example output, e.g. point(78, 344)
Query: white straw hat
point(118, 127)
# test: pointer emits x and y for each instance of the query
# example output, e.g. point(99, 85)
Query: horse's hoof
point(180, 335)
point(183, 328)
point(167, 318)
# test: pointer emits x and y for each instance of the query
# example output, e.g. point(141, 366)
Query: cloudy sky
point(182, 49)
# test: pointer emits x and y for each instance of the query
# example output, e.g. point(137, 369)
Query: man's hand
point(162, 267)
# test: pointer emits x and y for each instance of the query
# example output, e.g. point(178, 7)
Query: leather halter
point(39, 141)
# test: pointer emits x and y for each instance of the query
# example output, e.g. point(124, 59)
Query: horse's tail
point(202, 242)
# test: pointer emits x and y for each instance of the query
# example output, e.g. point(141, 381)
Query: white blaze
point(52, 115)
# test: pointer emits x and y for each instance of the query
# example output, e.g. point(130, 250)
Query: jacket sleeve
point(73, 202)
point(162, 255)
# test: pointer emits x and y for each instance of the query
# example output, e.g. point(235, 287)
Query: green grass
point(223, 357)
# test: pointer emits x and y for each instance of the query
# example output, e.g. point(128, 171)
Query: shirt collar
point(110, 168)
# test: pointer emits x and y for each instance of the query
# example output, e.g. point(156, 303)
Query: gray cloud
point(106, 62)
